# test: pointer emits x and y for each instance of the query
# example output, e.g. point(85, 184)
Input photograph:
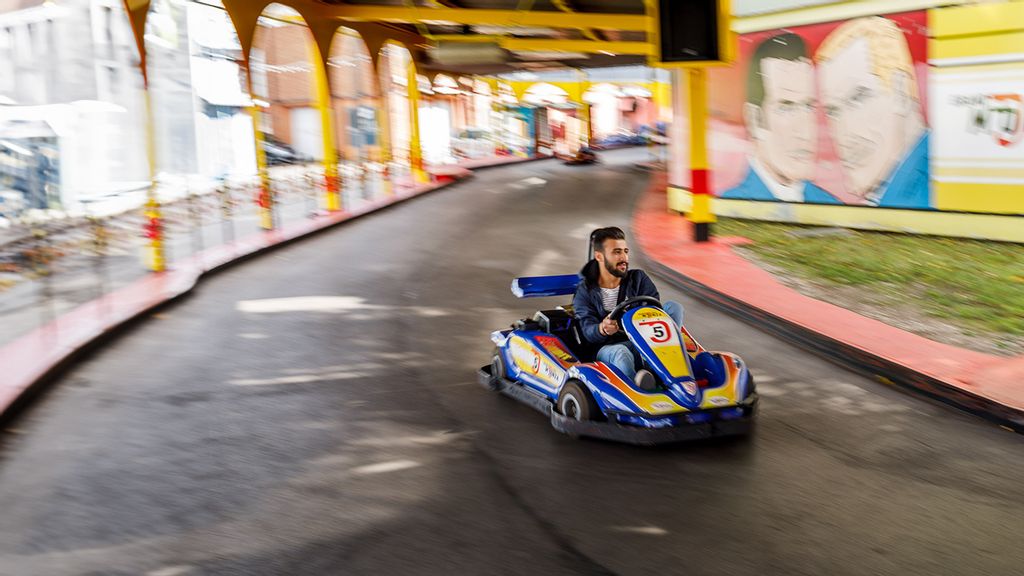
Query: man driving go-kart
point(607, 282)
point(578, 364)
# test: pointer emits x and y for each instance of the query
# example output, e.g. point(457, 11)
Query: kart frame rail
point(617, 432)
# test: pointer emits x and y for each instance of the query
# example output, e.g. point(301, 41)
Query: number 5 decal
point(660, 331)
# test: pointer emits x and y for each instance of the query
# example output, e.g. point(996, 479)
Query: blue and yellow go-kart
point(546, 363)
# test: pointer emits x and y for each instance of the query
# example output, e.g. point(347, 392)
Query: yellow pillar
point(332, 182)
point(383, 121)
point(137, 10)
point(154, 226)
point(700, 214)
point(582, 86)
point(265, 192)
point(415, 151)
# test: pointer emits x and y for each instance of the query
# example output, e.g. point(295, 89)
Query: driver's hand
point(609, 326)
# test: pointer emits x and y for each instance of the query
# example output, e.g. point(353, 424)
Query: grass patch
point(974, 283)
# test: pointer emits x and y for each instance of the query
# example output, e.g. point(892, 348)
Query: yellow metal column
point(154, 226)
point(586, 134)
point(415, 151)
point(332, 182)
point(383, 122)
point(265, 192)
point(137, 10)
point(700, 214)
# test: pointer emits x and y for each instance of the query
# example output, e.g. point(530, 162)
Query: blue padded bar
point(536, 286)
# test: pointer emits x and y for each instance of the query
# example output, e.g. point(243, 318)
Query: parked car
point(12, 203)
point(279, 153)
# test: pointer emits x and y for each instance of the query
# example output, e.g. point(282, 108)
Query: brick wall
point(290, 56)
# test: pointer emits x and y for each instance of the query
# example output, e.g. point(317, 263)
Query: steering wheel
point(618, 311)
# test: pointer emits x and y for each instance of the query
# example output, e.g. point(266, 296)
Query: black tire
point(497, 370)
point(574, 401)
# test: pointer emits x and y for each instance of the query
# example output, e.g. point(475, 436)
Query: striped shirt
point(610, 297)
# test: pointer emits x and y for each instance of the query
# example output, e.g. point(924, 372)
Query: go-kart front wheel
point(575, 402)
point(497, 370)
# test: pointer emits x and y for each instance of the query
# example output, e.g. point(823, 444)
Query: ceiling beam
point(551, 44)
point(586, 46)
point(565, 7)
point(365, 12)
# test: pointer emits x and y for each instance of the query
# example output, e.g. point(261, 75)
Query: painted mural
point(826, 114)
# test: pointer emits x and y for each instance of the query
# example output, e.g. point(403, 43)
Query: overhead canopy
point(551, 34)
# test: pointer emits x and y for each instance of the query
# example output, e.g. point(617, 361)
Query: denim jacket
point(588, 306)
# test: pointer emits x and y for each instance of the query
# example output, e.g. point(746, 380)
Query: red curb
point(982, 383)
point(495, 161)
point(29, 360)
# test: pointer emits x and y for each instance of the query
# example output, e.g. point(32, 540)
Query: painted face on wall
point(784, 126)
point(867, 119)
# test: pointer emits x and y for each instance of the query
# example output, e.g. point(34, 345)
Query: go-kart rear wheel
point(574, 401)
point(497, 370)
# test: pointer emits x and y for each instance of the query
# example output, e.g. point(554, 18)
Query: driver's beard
point(615, 271)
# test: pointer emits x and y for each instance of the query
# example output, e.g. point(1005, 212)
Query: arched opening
point(482, 101)
point(354, 102)
point(393, 67)
point(514, 130)
point(438, 103)
point(198, 86)
point(558, 128)
point(435, 119)
point(283, 63)
point(476, 132)
point(605, 110)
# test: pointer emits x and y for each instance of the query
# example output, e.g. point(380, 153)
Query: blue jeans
point(623, 356)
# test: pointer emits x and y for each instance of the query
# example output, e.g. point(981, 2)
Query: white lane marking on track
point(770, 392)
point(525, 183)
point(170, 571)
point(441, 438)
point(539, 265)
point(299, 379)
point(382, 467)
point(646, 530)
point(253, 336)
point(330, 304)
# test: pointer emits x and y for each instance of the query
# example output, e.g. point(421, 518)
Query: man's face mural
point(790, 129)
point(867, 116)
point(783, 124)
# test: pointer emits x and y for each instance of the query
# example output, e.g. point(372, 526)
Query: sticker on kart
point(657, 331)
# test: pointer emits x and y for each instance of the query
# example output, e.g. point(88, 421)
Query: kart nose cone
point(686, 393)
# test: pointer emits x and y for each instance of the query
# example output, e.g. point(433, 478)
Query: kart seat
point(583, 349)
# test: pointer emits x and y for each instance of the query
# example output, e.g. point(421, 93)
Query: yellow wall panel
point(986, 18)
point(954, 224)
point(966, 196)
point(975, 46)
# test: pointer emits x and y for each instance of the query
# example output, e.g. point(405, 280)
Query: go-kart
point(583, 156)
point(547, 364)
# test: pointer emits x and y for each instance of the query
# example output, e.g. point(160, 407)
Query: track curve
point(315, 411)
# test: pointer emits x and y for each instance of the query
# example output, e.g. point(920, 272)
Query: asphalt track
point(316, 411)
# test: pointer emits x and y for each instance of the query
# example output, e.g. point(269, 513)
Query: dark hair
point(786, 46)
point(597, 237)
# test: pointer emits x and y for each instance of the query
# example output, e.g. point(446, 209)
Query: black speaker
point(688, 30)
